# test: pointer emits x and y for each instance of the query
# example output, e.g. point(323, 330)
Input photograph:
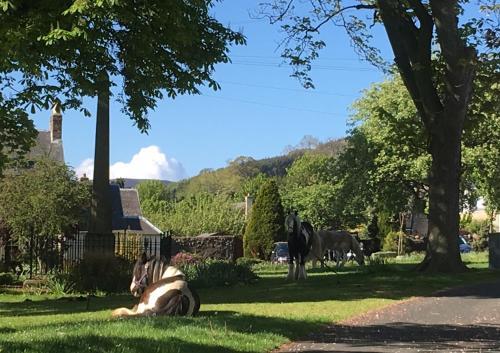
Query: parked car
point(463, 245)
point(279, 255)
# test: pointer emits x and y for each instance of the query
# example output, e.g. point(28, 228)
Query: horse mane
point(310, 230)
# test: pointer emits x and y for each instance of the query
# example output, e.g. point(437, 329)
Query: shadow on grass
point(67, 305)
point(99, 344)
point(219, 329)
point(212, 332)
point(397, 337)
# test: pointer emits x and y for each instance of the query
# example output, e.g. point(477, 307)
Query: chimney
point(56, 122)
point(248, 205)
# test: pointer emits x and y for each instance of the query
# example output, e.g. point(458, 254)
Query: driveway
point(463, 319)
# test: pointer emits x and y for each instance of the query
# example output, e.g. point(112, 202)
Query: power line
point(287, 89)
point(279, 58)
point(316, 67)
point(268, 105)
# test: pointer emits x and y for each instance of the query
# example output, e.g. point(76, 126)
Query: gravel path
point(464, 319)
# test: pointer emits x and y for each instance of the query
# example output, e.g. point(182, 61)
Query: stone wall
point(225, 247)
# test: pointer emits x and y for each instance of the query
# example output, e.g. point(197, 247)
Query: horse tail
point(121, 312)
point(195, 301)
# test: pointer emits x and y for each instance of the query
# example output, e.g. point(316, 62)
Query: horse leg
point(297, 266)
point(302, 271)
point(290, 268)
point(337, 258)
point(344, 258)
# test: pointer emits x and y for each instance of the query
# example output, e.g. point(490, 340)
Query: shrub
point(60, 284)
point(214, 273)
point(201, 213)
point(479, 242)
point(267, 222)
point(391, 242)
point(479, 231)
point(185, 258)
point(6, 279)
point(248, 261)
point(102, 272)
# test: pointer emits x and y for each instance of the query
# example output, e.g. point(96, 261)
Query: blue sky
point(258, 112)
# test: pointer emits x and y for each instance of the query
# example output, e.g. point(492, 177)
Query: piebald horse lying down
point(163, 290)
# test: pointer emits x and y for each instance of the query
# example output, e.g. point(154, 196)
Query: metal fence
point(61, 254)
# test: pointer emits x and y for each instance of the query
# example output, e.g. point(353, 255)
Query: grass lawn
point(244, 318)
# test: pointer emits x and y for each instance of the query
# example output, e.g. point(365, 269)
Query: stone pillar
point(494, 250)
point(56, 122)
point(248, 205)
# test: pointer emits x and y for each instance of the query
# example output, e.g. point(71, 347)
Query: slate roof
point(130, 202)
point(44, 147)
point(126, 212)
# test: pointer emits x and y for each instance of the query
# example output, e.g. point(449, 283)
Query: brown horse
point(341, 242)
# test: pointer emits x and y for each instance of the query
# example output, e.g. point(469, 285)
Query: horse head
point(139, 276)
point(356, 248)
point(292, 224)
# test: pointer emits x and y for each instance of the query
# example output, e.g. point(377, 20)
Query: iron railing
point(60, 254)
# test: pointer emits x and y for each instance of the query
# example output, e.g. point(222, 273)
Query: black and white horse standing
point(300, 238)
point(163, 290)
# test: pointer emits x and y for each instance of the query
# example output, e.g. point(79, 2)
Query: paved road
point(459, 320)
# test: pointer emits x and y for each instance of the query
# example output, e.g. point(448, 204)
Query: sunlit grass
point(242, 318)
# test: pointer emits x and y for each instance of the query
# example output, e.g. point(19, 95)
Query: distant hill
point(131, 183)
point(228, 179)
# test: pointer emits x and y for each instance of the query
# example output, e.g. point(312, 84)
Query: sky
point(259, 111)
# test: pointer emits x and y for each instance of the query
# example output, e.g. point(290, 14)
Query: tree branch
point(412, 49)
point(460, 59)
point(335, 13)
point(282, 15)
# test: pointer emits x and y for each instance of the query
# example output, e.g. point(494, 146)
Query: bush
point(60, 284)
point(6, 279)
point(201, 213)
point(391, 242)
point(184, 258)
point(267, 222)
point(102, 272)
point(479, 231)
point(215, 273)
point(248, 261)
point(479, 242)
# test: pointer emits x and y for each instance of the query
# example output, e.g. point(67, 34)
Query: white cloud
point(86, 167)
point(149, 163)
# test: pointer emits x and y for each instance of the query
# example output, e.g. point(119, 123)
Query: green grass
point(243, 318)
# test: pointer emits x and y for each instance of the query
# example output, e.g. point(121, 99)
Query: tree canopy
point(66, 50)
point(310, 187)
point(45, 201)
point(63, 49)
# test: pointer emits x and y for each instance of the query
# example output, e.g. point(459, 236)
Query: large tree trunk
point(99, 237)
point(444, 189)
point(442, 113)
